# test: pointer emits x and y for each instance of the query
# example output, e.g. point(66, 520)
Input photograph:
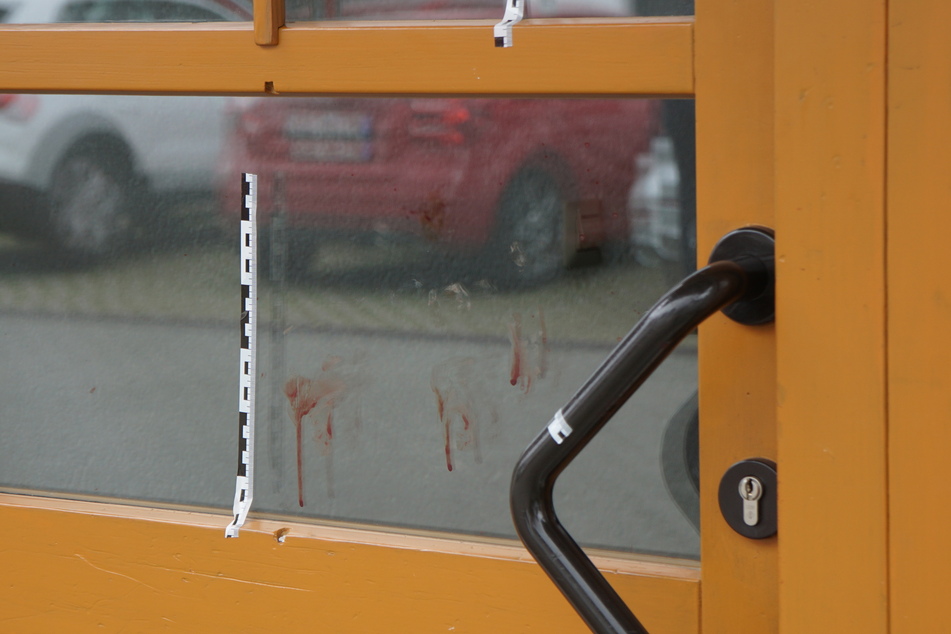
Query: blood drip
point(515, 335)
point(300, 394)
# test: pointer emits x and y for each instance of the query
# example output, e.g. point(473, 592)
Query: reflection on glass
point(664, 7)
point(450, 9)
point(304, 10)
point(438, 276)
point(77, 11)
point(52, 11)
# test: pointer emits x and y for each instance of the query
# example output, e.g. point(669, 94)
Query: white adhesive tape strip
point(247, 357)
point(514, 12)
point(558, 428)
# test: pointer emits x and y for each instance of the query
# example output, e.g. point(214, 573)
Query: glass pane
point(48, 11)
point(477, 9)
point(449, 10)
point(437, 277)
point(51, 11)
point(664, 7)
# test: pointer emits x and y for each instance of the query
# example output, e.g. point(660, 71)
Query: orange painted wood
point(614, 57)
point(735, 187)
point(80, 566)
point(919, 313)
point(830, 83)
point(268, 20)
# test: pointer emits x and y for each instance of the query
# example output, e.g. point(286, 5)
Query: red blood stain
point(444, 420)
point(440, 403)
point(520, 375)
point(320, 396)
point(299, 392)
point(441, 408)
point(529, 353)
point(431, 216)
point(457, 391)
point(515, 336)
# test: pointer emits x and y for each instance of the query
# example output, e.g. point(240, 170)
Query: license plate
point(331, 151)
point(329, 124)
point(330, 136)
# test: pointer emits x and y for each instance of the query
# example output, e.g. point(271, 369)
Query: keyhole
point(749, 488)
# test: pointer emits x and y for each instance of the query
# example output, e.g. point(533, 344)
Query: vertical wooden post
point(268, 20)
point(919, 319)
point(831, 315)
point(735, 187)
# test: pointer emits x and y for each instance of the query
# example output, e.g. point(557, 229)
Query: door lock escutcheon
point(748, 498)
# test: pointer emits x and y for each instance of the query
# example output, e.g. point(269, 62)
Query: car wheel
point(90, 204)
point(680, 460)
point(537, 237)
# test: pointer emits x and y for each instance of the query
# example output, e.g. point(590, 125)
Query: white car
point(77, 169)
point(654, 204)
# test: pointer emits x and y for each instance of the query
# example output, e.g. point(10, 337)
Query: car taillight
point(18, 107)
point(443, 120)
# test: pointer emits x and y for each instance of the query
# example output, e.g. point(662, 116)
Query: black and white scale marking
point(514, 12)
point(244, 487)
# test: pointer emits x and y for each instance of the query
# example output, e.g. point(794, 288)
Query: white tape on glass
point(247, 356)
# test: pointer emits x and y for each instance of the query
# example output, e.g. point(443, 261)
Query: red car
point(526, 183)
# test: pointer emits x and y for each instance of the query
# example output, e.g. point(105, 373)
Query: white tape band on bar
point(247, 356)
point(558, 428)
point(514, 12)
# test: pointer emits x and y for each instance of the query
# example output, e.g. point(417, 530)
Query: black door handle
point(740, 281)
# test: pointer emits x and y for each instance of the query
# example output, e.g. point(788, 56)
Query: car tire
point(680, 460)
point(537, 236)
point(90, 203)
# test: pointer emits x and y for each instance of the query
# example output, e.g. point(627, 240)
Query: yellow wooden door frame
point(919, 346)
point(830, 100)
point(89, 563)
point(810, 160)
point(791, 133)
point(735, 187)
point(552, 57)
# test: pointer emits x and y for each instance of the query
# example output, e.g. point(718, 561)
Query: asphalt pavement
point(121, 381)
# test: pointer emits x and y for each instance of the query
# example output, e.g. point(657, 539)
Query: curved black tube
point(658, 332)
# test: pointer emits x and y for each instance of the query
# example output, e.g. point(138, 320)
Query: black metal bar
point(658, 332)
